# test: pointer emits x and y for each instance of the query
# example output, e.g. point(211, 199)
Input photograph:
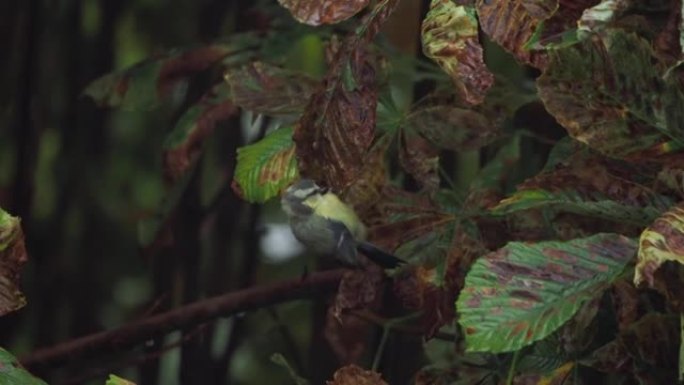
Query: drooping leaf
point(608, 94)
point(184, 142)
point(366, 190)
point(557, 376)
point(453, 128)
point(450, 37)
point(269, 90)
point(354, 375)
point(315, 12)
point(265, 167)
point(146, 84)
point(12, 257)
point(524, 292)
point(116, 380)
point(337, 128)
point(661, 241)
point(12, 373)
point(513, 23)
point(589, 185)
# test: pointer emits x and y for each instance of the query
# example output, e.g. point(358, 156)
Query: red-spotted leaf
point(146, 84)
point(514, 23)
point(266, 167)
point(662, 241)
point(525, 291)
point(450, 37)
point(184, 142)
point(12, 257)
point(592, 186)
point(337, 129)
point(269, 90)
point(608, 94)
point(12, 373)
point(317, 12)
point(453, 128)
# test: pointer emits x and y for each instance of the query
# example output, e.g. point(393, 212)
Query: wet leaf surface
point(12, 257)
point(316, 12)
point(525, 291)
point(450, 37)
point(266, 167)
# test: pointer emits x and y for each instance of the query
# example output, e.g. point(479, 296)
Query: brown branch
point(185, 316)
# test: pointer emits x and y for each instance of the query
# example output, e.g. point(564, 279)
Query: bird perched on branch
point(326, 225)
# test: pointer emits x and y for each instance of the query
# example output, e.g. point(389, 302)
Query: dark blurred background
point(83, 179)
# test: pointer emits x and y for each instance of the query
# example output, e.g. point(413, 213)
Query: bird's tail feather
point(379, 256)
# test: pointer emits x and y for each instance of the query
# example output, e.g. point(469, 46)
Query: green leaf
point(12, 373)
point(450, 37)
point(184, 142)
point(12, 257)
point(314, 12)
point(115, 380)
point(524, 292)
point(144, 85)
point(592, 186)
point(662, 241)
point(624, 109)
point(269, 90)
point(266, 167)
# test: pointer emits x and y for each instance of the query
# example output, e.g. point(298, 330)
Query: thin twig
point(185, 316)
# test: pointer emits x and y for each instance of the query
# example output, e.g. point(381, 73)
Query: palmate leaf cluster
point(523, 261)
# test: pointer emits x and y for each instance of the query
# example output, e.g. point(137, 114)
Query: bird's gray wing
point(345, 249)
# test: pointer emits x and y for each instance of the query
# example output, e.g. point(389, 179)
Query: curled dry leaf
point(419, 158)
point(662, 241)
point(354, 375)
point(12, 257)
point(317, 12)
point(450, 37)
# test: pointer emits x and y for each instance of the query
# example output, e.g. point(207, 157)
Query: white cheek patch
point(302, 194)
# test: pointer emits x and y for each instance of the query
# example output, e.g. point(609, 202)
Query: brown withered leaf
point(354, 375)
point(337, 128)
point(450, 37)
point(346, 333)
point(184, 143)
point(366, 190)
point(453, 128)
point(12, 257)
point(511, 23)
point(270, 90)
point(625, 299)
point(317, 12)
point(419, 158)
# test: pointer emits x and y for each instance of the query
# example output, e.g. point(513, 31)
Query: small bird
point(326, 225)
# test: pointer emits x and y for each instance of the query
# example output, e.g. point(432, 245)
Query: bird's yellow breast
point(330, 206)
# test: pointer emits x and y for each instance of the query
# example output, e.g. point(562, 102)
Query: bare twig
point(185, 316)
